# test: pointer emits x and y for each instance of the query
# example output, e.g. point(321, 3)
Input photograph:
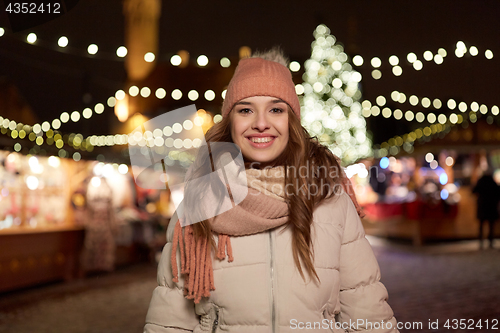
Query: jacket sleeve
point(169, 311)
point(363, 298)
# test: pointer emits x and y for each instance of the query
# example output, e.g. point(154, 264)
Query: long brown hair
point(323, 174)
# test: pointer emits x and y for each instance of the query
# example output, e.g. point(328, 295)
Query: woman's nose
point(261, 121)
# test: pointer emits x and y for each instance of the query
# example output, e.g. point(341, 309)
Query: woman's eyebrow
point(278, 101)
point(243, 103)
point(274, 101)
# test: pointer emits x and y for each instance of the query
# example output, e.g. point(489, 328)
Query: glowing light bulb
point(120, 94)
point(437, 103)
point(56, 124)
point(413, 100)
point(393, 60)
point(63, 41)
point(428, 55)
point(376, 74)
point(225, 62)
point(409, 115)
point(149, 57)
point(209, 95)
point(202, 60)
point(111, 101)
point(133, 91)
point(429, 157)
point(193, 95)
point(376, 62)
point(462, 106)
point(92, 49)
point(176, 94)
point(451, 104)
point(461, 45)
point(438, 59)
point(121, 51)
point(160, 93)
point(145, 92)
point(176, 60)
point(397, 70)
point(411, 57)
point(217, 118)
point(123, 169)
point(431, 118)
point(357, 60)
point(99, 108)
point(87, 113)
point(294, 66)
point(31, 38)
point(380, 100)
point(64, 117)
point(75, 116)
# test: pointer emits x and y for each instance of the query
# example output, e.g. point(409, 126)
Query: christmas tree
point(330, 103)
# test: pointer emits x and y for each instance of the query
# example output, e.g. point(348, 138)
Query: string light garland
point(412, 59)
point(379, 108)
point(94, 51)
point(87, 113)
point(202, 60)
point(78, 142)
point(395, 145)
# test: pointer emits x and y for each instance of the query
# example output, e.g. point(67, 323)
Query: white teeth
point(261, 140)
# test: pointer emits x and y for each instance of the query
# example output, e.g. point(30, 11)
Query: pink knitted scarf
point(263, 208)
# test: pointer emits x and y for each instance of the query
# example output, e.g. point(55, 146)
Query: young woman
point(297, 258)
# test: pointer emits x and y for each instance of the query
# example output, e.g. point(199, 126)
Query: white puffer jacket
point(261, 291)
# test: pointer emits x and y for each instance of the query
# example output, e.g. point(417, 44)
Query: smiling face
point(259, 126)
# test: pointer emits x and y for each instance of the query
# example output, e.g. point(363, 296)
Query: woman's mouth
point(261, 142)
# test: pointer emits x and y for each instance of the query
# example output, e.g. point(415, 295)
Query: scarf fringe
point(196, 261)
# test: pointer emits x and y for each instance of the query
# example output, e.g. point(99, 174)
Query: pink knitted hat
point(260, 77)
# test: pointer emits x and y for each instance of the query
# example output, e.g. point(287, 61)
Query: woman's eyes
point(244, 111)
point(273, 110)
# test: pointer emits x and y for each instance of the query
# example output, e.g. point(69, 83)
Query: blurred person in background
point(488, 196)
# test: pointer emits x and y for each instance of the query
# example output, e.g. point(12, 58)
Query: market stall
point(416, 198)
point(61, 219)
point(38, 242)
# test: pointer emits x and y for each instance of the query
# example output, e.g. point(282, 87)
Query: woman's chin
point(260, 161)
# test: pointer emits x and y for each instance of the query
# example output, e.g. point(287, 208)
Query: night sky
point(53, 82)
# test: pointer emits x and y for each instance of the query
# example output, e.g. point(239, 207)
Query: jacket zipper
point(216, 321)
point(272, 282)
